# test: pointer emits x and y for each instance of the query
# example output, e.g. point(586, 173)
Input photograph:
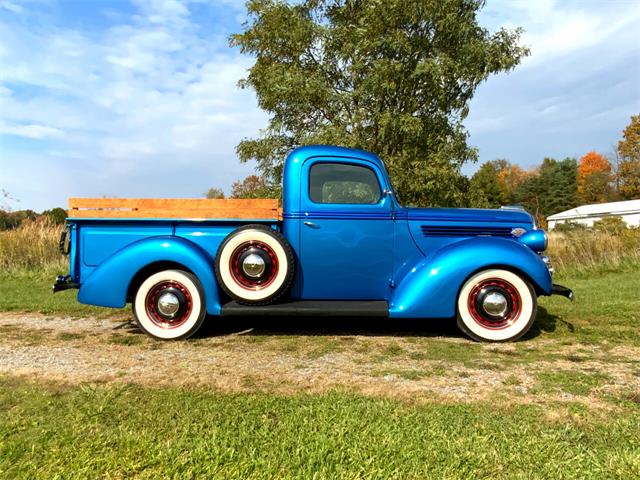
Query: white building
point(587, 214)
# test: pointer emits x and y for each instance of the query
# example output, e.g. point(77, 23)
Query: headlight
point(536, 240)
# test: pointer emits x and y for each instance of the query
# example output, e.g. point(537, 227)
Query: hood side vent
point(464, 231)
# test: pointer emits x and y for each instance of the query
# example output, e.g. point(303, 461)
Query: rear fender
point(108, 284)
point(430, 289)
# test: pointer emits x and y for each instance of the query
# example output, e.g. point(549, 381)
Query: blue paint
point(108, 284)
point(415, 258)
point(430, 288)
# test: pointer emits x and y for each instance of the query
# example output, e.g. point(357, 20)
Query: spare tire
point(255, 265)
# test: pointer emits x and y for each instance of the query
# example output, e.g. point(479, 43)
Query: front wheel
point(169, 305)
point(496, 306)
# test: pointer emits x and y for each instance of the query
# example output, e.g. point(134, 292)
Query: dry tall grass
point(587, 250)
point(32, 246)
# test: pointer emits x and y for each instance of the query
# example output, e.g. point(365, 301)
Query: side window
point(343, 183)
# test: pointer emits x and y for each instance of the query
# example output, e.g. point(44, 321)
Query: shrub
point(614, 224)
point(569, 227)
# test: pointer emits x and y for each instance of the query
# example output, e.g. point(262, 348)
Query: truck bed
point(175, 208)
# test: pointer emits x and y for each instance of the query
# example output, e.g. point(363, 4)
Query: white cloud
point(555, 28)
point(576, 91)
point(10, 6)
point(149, 92)
point(34, 131)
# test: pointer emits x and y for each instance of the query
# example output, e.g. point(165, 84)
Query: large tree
point(552, 189)
point(391, 76)
point(488, 187)
point(252, 186)
point(594, 178)
point(214, 193)
point(629, 152)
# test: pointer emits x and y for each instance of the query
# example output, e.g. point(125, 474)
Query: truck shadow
point(546, 322)
point(348, 326)
point(329, 326)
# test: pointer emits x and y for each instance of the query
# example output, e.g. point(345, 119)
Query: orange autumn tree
point(594, 178)
point(512, 176)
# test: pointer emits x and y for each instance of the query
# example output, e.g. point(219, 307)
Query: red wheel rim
point(235, 266)
point(163, 321)
point(511, 294)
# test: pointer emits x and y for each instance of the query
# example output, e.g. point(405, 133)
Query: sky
point(139, 98)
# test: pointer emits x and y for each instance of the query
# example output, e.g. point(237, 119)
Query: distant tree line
point(558, 185)
point(10, 219)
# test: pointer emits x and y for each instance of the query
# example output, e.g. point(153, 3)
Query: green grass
point(575, 383)
point(25, 291)
point(115, 431)
point(128, 340)
point(606, 309)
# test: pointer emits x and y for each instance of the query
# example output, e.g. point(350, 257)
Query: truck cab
point(340, 245)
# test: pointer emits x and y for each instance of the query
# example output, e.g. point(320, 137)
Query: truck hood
point(505, 216)
point(434, 228)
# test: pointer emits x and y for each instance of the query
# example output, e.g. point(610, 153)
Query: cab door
point(346, 231)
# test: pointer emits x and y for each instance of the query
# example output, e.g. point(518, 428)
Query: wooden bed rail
point(182, 208)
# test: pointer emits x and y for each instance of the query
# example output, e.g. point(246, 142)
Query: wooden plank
point(257, 214)
point(140, 203)
point(196, 208)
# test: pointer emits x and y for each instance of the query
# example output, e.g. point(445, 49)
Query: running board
point(311, 308)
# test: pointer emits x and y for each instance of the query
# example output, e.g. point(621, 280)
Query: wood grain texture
point(186, 208)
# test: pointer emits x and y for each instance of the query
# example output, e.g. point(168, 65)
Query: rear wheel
point(496, 306)
point(169, 305)
point(254, 265)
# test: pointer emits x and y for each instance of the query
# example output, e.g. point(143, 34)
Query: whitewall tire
point(255, 265)
point(170, 305)
point(496, 306)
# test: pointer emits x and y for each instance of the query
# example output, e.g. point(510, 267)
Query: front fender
point(108, 284)
point(430, 289)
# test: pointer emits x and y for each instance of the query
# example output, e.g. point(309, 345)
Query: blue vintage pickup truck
point(341, 245)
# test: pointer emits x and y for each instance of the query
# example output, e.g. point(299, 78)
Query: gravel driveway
point(288, 360)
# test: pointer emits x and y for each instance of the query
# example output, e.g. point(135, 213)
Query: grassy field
point(30, 291)
point(125, 431)
point(324, 398)
point(566, 403)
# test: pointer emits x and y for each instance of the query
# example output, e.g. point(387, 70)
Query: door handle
point(311, 224)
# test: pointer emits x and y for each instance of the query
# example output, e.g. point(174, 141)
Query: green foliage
point(214, 193)
point(57, 215)
point(393, 77)
point(487, 187)
point(629, 152)
point(254, 186)
point(553, 189)
point(597, 188)
point(569, 227)
point(10, 220)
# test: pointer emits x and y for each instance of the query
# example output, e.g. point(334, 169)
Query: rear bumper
point(561, 290)
point(63, 283)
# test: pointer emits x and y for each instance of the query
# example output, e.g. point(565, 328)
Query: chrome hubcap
point(253, 265)
point(168, 304)
point(495, 304)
